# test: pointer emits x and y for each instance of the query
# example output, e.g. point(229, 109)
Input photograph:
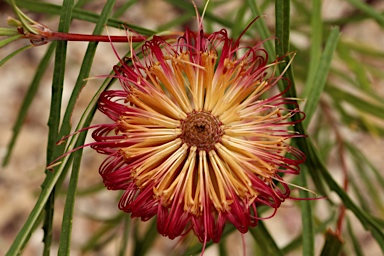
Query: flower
point(194, 140)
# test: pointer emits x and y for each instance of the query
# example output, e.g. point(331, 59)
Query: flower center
point(201, 129)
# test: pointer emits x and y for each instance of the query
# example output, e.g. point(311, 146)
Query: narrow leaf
point(332, 245)
point(10, 56)
point(124, 239)
point(316, 88)
point(222, 247)
point(123, 8)
point(355, 242)
point(363, 103)
point(100, 235)
point(282, 10)
point(355, 66)
point(370, 11)
point(367, 221)
point(142, 246)
point(65, 237)
point(54, 116)
point(262, 28)
point(316, 41)
point(8, 32)
point(282, 30)
point(66, 224)
point(28, 98)
point(265, 241)
point(306, 218)
point(8, 40)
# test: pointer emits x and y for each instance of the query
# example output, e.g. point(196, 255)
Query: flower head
point(194, 140)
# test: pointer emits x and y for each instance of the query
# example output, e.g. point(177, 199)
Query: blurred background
point(347, 127)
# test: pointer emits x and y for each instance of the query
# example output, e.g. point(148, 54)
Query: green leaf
point(365, 170)
point(316, 44)
point(282, 25)
point(8, 32)
point(366, 220)
point(103, 234)
point(50, 183)
point(54, 116)
point(316, 88)
point(119, 12)
point(143, 245)
point(65, 237)
point(265, 241)
point(48, 223)
point(238, 26)
point(24, 19)
point(348, 20)
point(222, 248)
point(27, 100)
point(355, 242)
point(363, 103)
point(363, 202)
point(66, 224)
point(57, 83)
point(262, 29)
point(379, 177)
point(306, 217)
point(25, 232)
point(282, 9)
point(10, 56)
point(306, 13)
point(298, 241)
point(370, 11)
point(9, 40)
point(363, 48)
point(355, 66)
point(125, 237)
point(332, 245)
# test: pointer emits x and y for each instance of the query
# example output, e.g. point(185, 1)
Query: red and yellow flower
point(194, 139)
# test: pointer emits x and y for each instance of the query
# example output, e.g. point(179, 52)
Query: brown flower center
point(201, 129)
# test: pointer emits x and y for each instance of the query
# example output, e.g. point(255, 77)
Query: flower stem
point(44, 36)
point(59, 36)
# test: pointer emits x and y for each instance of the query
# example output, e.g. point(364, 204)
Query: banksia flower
point(194, 139)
